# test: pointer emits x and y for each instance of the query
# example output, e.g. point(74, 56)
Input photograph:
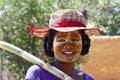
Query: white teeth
point(68, 52)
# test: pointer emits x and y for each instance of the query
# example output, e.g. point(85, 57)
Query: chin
point(69, 61)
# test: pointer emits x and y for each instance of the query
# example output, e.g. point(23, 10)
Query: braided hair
point(48, 43)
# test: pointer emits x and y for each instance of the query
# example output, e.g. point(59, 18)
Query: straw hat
point(64, 21)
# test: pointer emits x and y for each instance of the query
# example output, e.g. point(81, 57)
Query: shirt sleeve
point(33, 73)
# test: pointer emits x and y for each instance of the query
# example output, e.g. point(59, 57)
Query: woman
point(66, 39)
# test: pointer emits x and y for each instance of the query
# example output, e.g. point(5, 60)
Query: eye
point(61, 40)
point(75, 39)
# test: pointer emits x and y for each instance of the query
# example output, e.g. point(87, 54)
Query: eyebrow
point(59, 35)
point(77, 36)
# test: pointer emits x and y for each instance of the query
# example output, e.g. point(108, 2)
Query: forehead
point(71, 34)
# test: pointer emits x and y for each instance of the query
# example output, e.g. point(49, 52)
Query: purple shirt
point(35, 72)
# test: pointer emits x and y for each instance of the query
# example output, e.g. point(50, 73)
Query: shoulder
point(35, 69)
point(33, 72)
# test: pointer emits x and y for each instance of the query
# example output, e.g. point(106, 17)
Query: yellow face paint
point(67, 46)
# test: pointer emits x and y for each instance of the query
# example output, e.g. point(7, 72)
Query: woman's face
point(67, 46)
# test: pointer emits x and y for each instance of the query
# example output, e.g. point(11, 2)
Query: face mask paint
point(67, 46)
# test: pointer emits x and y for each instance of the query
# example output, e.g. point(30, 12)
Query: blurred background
point(17, 15)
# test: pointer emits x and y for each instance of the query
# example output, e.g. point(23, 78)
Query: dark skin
point(67, 47)
point(62, 66)
point(68, 69)
point(60, 58)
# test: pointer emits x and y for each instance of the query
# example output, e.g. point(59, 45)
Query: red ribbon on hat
point(31, 28)
point(67, 24)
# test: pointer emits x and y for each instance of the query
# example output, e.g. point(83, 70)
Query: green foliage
point(109, 17)
point(17, 15)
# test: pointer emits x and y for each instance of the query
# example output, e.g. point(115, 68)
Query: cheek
point(57, 48)
point(78, 46)
point(78, 49)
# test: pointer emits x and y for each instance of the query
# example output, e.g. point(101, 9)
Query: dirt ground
point(103, 60)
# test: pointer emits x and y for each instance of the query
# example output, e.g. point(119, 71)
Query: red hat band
point(66, 24)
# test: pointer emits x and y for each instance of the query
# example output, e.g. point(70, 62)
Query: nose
point(68, 45)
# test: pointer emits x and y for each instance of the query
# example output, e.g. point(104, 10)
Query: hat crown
point(64, 21)
point(66, 15)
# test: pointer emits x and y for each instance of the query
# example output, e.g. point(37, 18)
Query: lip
point(68, 52)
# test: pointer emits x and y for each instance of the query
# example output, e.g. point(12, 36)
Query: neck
point(67, 68)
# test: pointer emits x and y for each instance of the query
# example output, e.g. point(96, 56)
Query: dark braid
point(48, 43)
point(85, 43)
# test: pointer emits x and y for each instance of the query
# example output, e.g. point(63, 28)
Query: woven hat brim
point(42, 32)
point(88, 31)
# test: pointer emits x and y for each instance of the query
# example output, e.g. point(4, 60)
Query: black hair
point(48, 43)
point(85, 43)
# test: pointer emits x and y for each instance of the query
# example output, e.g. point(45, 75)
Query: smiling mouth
point(69, 53)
